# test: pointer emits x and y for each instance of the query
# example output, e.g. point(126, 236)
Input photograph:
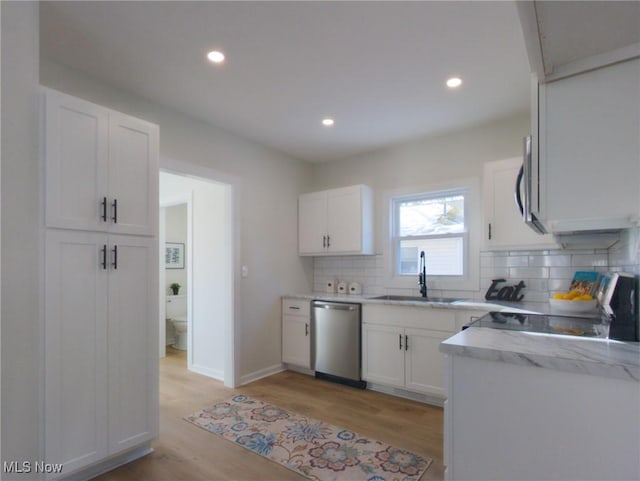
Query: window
point(433, 223)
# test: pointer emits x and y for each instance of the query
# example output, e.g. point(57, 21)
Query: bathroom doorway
point(196, 234)
point(174, 216)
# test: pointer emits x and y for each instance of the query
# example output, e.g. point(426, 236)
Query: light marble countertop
point(470, 304)
point(598, 357)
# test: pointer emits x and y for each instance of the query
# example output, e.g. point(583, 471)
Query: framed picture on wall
point(174, 255)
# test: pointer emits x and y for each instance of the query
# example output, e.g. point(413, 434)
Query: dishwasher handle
point(337, 307)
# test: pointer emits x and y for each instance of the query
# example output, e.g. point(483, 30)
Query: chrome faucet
point(422, 276)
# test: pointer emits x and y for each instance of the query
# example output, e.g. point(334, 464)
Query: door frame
point(231, 341)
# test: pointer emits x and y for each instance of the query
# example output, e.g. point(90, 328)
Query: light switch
point(245, 271)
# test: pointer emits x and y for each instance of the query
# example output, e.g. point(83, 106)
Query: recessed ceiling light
point(327, 122)
point(454, 82)
point(215, 56)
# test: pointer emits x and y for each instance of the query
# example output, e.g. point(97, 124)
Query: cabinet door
point(296, 343)
point(133, 175)
point(75, 349)
point(312, 223)
point(344, 220)
point(383, 354)
point(424, 363)
point(504, 227)
point(589, 148)
point(76, 150)
point(133, 350)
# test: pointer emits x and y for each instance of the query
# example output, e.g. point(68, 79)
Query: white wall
point(268, 184)
point(423, 164)
point(211, 290)
point(21, 236)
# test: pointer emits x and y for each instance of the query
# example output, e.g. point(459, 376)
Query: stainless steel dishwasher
point(336, 341)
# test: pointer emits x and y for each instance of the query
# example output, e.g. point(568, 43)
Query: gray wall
point(21, 235)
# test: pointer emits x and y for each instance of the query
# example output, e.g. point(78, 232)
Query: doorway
point(203, 267)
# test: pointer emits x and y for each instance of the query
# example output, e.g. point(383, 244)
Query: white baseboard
point(110, 464)
point(394, 391)
point(266, 372)
point(206, 371)
point(301, 370)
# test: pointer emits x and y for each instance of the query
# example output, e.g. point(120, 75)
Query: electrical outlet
point(245, 271)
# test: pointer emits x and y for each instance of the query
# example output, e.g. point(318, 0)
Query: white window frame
point(469, 280)
point(397, 239)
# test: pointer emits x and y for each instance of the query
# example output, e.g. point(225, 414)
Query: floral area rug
point(308, 446)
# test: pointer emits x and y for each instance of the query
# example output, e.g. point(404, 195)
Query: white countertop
point(462, 304)
point(598, 357)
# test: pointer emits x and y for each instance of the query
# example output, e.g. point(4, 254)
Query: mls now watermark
point(19, 467)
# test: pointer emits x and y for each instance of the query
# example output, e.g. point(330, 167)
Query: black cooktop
point(543, 323)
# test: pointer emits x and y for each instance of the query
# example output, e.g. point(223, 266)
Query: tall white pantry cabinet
point(101, 283)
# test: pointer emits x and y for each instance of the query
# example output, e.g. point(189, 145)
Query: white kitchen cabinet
point(505, 421)
point(589, 149)
point(76, 371)
point(503, 226)
point(132, 342)
point(400, 346)
point(101, 286)
point(296, 339)
point(100, 345)
point(405, 358)
point(336, 221)
point(423, 361)
point(101, 168)
point(383, 354)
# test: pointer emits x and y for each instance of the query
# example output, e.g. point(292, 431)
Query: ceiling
point(378, 68)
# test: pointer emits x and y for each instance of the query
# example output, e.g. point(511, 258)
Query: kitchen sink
point(443, 300)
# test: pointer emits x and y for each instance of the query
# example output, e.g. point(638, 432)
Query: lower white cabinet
point(424, 364)
point(101, 360)
point(382, 354)
point(296, 332)
point(403, 357)
point(507, 421)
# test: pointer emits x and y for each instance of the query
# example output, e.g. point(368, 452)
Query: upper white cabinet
point(565, 38)
point(336, 221)
point(503, 226)
point(589, 150)
point(101, 168)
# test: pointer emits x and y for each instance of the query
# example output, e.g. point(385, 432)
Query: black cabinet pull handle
point(306, 329)
point(115, 257)
point(400, 340)
point(115, 211)
point(489, 230)
point(328, 241)
point(294, 307)
point(406, 342)
point(104, 257)
point(324, 241)
point(104, 209)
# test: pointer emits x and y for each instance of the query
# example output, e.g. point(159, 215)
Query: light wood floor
point(185, 452)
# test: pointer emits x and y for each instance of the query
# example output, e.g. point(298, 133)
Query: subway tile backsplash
point(543, 272)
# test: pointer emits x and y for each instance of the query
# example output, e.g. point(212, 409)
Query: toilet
point(177, 314)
